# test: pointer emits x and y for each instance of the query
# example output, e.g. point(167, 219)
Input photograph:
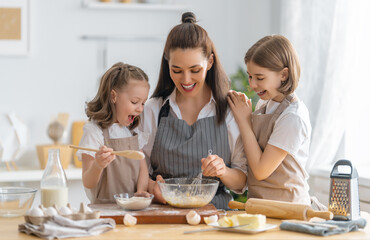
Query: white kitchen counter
point(31, 178)
point(31, 175)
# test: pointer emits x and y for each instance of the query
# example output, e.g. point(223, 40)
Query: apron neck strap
point(286, 101)
point(284, 104)
point(106, 136)
point(165, 110)
point(105, 133)
point(292, 98)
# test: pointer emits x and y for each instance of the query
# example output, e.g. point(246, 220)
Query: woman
point(188, 116)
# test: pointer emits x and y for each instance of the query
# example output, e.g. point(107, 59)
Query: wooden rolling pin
point(279, 209)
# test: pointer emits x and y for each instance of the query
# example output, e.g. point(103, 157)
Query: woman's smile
point(188, 87)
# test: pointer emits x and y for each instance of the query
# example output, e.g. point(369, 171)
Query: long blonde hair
point(101, 109)
point(275, 52)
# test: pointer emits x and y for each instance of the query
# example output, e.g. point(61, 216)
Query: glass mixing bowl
point(15, 201)
point(182, 193)
point(130, 202)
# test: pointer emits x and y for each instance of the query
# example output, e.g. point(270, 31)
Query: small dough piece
point(193, 218)
point(211, 219)
point(129, 220)
point(50, 211)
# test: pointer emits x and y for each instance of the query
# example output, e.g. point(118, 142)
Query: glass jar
point(53, 184)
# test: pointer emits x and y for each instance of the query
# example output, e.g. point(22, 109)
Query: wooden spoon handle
point(236, 205)
point(132, 154)
point(83, 148)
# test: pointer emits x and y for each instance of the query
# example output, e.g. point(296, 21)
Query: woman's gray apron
point(178, 149)
point(121, 175)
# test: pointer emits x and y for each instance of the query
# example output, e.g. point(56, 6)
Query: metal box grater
point(344, 200)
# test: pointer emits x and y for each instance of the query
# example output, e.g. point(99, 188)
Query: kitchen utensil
point(13, 139)
point(132, 154)
point(15, 201)
point(344, 200)
point(280, 209)
point(63, 119)
point(55, 131)
point(154, 214)
point(177, 192)
point(214, 229)
point(65, 154)
point(130, 202)
point(198, 179)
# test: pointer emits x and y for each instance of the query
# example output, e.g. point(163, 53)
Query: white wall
point(61, 72)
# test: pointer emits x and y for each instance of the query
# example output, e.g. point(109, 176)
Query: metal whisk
point(198, 179)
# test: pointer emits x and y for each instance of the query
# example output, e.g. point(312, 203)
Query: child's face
point(129, 102)
point(266, 82)
point(188, 70)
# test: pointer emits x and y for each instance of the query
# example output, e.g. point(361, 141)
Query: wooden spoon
point(132, 154)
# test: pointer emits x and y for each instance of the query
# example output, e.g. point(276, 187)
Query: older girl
point(277, 135)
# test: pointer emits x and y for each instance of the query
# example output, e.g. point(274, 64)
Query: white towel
point(61, 227)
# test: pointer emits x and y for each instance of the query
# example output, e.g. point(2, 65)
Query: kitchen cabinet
point(9, 231)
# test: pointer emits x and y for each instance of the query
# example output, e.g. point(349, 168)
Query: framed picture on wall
point(14, 27)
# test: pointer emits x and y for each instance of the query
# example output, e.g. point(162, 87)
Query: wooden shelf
point(34, 175)
point(132, 6)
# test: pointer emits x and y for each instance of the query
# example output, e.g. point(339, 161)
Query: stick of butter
point(225, 222)
point(255, 221)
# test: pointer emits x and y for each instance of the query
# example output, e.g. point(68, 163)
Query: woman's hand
point(103, 157)
point(213, 166)
point(240, 105)
point(156, 191)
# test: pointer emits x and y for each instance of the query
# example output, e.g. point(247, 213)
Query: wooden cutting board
point(154, 214)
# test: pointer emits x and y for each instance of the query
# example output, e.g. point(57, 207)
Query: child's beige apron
point(288, 181)
point(121, 175)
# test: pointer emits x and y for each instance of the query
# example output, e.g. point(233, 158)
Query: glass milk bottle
point(53, 185)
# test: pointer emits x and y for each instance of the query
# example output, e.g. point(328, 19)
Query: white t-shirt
point(93, 136)
point(149, 125)
point(292, 130)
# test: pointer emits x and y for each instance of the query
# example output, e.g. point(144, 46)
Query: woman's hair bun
point(188, 17)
